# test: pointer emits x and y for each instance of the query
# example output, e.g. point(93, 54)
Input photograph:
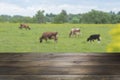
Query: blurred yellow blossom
point(114, 46)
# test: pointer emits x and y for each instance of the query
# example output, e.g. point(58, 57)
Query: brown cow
point(24, 26)
point(74, 32)
point(49, 35)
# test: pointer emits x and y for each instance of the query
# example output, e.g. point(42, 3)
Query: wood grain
point(59, 66)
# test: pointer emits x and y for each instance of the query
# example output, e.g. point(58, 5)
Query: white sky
point(30, 7)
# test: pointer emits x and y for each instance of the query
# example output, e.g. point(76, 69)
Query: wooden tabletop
point(59, 66)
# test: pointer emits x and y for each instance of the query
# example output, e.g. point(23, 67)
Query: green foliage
point(97, 17)
point(5, 18)
point(93, 16)
point(50, 17)
point(15, 19)
point(74, 18)
point(14, 39)
point(39, 17)
point(21, 19)
point(61, 18)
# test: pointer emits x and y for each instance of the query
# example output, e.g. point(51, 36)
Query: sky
point(30, 7)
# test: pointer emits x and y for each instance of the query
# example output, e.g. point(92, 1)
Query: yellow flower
point(115, 45)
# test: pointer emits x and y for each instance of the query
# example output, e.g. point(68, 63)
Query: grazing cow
point(24, 26)
point(49, 35)
point(94, 37)
point(74, 32)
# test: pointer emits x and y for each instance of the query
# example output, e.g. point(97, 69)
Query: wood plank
point(57, 56)
point(73, 66)
point(60, 77)
point(54, 63)
point(51, 70)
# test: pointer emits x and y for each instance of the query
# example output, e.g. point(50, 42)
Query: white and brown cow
point(74, 32)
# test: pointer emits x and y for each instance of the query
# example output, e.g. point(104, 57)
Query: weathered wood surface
point(60, 77)
point(68, 66)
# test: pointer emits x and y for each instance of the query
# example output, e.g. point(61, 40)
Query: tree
point(17, 18)
point(114, 18)
point(74, 18)
point(118, 15)
point(50, 17)
point(39, 17)
point(61, 18)
point(21, 19)
point(97, 17)
point(93, 16)
point(5, 18)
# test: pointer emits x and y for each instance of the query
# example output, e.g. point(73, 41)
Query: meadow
point(13, 39)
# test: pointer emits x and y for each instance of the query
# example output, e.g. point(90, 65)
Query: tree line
point(91, 17)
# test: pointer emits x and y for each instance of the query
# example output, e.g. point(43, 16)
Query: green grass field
point(12, 39)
